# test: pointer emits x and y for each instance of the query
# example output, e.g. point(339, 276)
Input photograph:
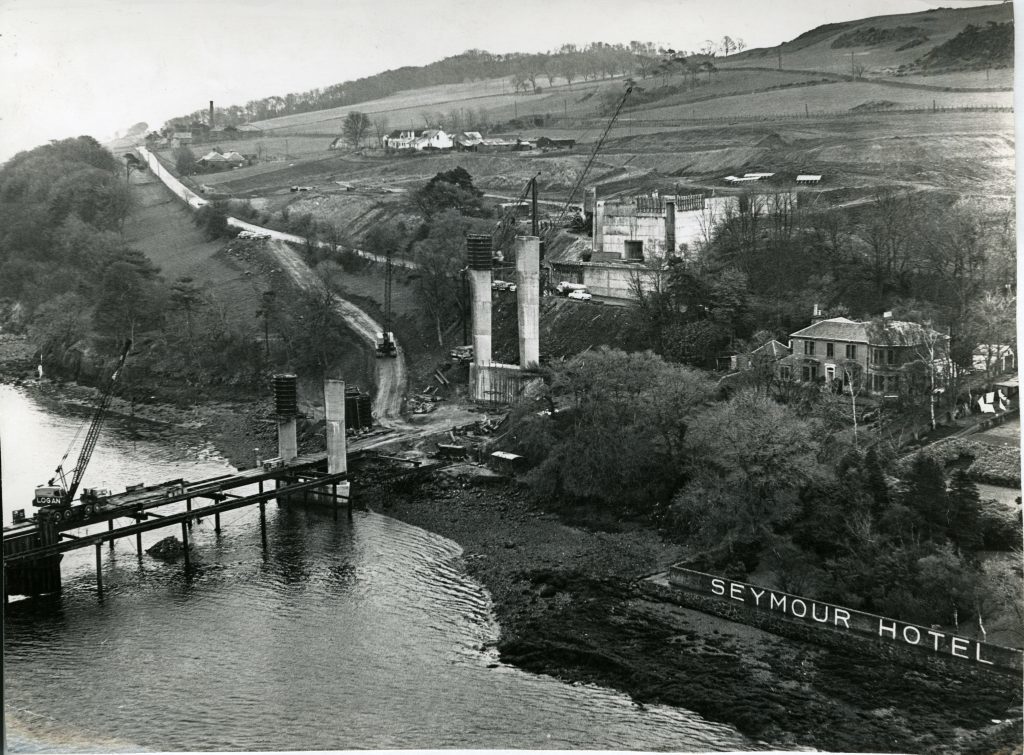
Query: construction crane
point(386, 346)
point(590, 161)
point(57, 495)
point(547, 230)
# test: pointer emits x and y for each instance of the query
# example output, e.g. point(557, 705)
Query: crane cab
point(386, 344)
point(49, 495)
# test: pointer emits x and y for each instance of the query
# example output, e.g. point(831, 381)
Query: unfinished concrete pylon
point(286, 407)
point(334, 416)
point(528, 296)
point(480, 264)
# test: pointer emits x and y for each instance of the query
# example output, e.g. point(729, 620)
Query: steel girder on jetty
point(33, 550)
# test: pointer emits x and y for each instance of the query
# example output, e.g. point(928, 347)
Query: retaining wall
point(834, 626)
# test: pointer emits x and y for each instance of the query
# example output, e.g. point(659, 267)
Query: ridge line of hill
point(355, 108)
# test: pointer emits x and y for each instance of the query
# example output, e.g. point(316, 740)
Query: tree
point(449, 190)
point(755, 457)
point(315, 330)
point(439, 258)
point(964, 513)
point(620, 439)
point(380, 128)
point(129, 296)
point(184, 160)
point(185, 297)
point(60, 322)
point(212, 218)
point(728, 45)
point(992, 325)
point(383, 240)
point(355, 127)
point(924, 494)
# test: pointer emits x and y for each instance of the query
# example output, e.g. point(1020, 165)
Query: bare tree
point(728, 45)
point(380, 128)
point(355, 127)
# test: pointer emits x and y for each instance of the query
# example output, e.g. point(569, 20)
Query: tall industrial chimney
point(211, 115)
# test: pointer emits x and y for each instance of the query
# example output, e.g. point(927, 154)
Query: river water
point(338, 635)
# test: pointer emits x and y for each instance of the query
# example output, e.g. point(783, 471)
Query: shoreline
point(568, 605)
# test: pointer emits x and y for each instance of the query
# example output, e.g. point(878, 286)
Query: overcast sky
point(70, 67)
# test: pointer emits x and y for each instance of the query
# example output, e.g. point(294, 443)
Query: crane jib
point(52, 495)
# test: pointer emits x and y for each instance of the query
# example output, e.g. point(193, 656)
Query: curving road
point(391, 373)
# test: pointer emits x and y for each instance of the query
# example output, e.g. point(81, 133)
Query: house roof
point(994, 349)
point(808, 178)
point(834, 329)
point(234, 156)
point(883, 332)
point(212, 157)
point(772, 349)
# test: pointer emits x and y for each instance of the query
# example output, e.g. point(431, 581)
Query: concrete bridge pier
point(528, 290)
point(337, 446)
point(36, 577)
point(286, 406)
point(480, 264)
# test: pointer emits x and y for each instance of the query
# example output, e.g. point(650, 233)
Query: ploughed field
point(963, 152)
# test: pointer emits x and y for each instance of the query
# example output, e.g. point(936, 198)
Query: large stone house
point(875, 354)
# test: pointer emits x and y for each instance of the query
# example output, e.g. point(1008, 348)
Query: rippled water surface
point(338, 634)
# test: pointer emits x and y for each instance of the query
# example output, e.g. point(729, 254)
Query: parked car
point(565, 287)
point(461, 354)
point(503, 286)
point(580, 295)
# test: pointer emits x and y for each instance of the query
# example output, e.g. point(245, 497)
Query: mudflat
point(570, 604)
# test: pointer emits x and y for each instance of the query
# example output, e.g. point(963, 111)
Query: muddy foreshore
point(569, 604)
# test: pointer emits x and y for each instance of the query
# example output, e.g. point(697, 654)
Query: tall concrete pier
point(286, 407)
point(334, 414)
point(480, 265)
point(528, 290)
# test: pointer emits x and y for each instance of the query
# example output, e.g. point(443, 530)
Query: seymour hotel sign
point(837, 619)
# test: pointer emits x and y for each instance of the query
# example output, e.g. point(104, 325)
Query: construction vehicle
point(386, 346)
point(55, 499)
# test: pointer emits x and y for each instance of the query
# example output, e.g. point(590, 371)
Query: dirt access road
point(391, 374)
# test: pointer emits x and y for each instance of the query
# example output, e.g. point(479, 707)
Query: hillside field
point(813, 50)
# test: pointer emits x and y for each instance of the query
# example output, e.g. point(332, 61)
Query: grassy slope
point(161, 227)
point(939, 25)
